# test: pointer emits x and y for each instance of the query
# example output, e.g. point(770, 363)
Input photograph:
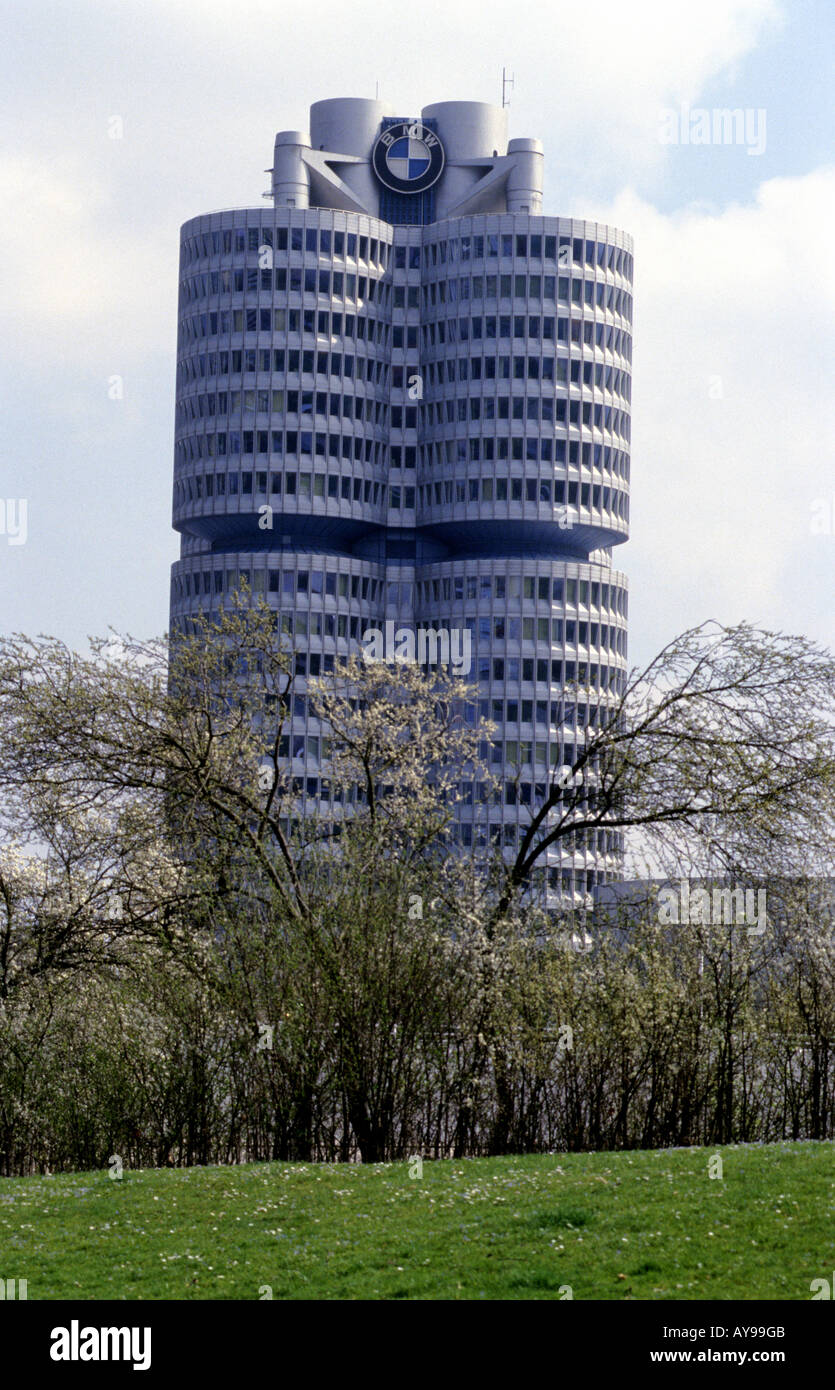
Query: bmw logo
point(408, 158)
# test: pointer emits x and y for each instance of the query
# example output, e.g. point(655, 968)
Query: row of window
point(547, 671)
point(507, 834)
point(556, 715)
point(488, 448)
point(613, 463)
point(590, 594)
point(451, 332)
point(551, 410)
point(507, 753)
point(553, 289)
point(359, 326)
point(290, 584)
point(475, 834)
point(517, 753)
point(443, 333)
point(209, 446)
point(313, 240)
point(557, 493)
point(370, 409)
point(526, 670)
point(553, 632)
point(599, 296)
point(583, 332)
point(334, 284)
point(495, 405)
point(307, 485)
point(197, 366)
point(562, 371)
point(563, 250)
point(586, 593)
point(442, 454)
point(338, 284)
point(441, 493)
point(541, 671)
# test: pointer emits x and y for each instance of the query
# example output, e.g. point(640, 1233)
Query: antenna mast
point(506, 82)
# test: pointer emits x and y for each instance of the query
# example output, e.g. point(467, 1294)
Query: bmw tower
point(403, 403)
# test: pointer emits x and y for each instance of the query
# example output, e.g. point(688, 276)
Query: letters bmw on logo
point(408, 158)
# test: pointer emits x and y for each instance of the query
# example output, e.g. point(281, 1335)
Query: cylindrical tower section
point(291, 177)
point(281, 434)
point(346, 124)
point(525, 422)
point(546, 645)
point(349, 125)
point(523, 477)
point(469, 130)
point(524, 186)
point(281, 429)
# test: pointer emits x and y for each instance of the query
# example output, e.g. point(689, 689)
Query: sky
point(121, 120)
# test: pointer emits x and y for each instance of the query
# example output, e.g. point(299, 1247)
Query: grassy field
point(649, 1225)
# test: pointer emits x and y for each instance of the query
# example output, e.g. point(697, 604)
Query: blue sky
point(734, 280)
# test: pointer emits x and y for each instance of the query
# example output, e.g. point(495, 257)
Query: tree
point(723, 742)
point(161, 869)
point(182, 751)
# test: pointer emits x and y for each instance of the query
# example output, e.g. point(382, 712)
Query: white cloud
point(732, 399)
point(73, 277)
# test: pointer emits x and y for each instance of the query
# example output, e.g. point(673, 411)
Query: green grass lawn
point(608, 1225)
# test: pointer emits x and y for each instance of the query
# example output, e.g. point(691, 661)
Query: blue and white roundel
point(408, 158)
